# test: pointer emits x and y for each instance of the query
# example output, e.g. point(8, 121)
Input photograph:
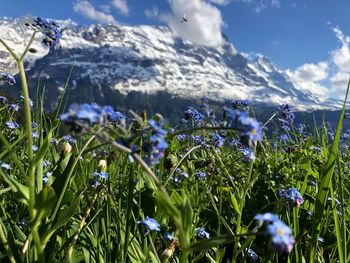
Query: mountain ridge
point(150, 59)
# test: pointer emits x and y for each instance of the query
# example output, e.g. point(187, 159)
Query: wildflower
point(101, 175)
point(336, 201)
point(5, 166)
point(241, 104)
point(248, 154)
point(35, 135)
point(89, 114)
point(46, 177)
point(7, 79)
point(252, 255)
point(198, 140)
point(201, 233)
point(156, 146)
point(292, 195)
point(168, 236)
point(235, 142)
point(194, 115)
point(35, 148)
point(49, 28)
point(200, 175)
point(320, 239)
point(282, 238)
point(181, 173)
point(11, 125)
point(34, 125)
point(95, 183)
point(264, 219)
point(150, 224)
point(181, 137)
point(285, 138)
point(217, 140)
point(13, 107)
point(46, 163)
point(3, 100)
point(286, 112)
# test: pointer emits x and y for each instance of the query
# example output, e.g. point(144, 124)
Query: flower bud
point(102, 164)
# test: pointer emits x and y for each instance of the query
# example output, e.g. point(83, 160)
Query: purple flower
point(7, 79)
point(201, 233)
point(11, 125)
point(156, 146)
point(292, 195)
point(150, 224)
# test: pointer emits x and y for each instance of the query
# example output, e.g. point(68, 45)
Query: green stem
point(9, 49)
point(298, 254)
point(6, 244)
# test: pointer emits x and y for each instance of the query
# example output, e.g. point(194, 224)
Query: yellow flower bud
point(102, 164)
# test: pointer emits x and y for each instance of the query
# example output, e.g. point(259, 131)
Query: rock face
point(112, 64)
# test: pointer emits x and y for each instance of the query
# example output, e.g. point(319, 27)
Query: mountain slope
point(117, 60)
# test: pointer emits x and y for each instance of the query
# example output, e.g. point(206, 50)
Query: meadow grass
point(133, 189)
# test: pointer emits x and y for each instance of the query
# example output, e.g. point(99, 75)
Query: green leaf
point(21, 191)
point(206, 244)
point(44, 204)
point(235, 204)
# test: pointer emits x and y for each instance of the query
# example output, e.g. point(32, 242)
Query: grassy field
point(125, 188)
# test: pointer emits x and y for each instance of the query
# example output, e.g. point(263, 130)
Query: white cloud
point(121, 5)
point(309, 77)
point(261, 5)
point(220, 2)
point(88, 10)
point(341, 56)
point(204, 22)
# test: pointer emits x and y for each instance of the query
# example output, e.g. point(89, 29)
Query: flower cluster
point(150, 223)
point(156, 146)
point(99, 178)
point(217, 140)
point(7, 79)
point(286, 112)
point(249, 127)
point(201, 233)
point(241, 104)
point(90, 114)
point(281, 235)
point(11, 125)
point(291, 195)
point(49, 28)
point(194, 115)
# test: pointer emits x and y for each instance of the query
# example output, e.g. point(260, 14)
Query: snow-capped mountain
point(111, 60)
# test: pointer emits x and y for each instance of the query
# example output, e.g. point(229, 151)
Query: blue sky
point(307, 38)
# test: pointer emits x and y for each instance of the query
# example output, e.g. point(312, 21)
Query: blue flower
point(282, 238)
point(201, 233)
point(217, 140)
point(46, 163)
point(101, 175)
point(35, 135)
point(49, 28)
point(252, 255)
point(168, 236)
point(31, 103)
point(194, 115)
point(35, 148)
point(241, 104)
point(286, 112)
point(200, 175)
point(11, 125)
point(13, 107)
point(46, 177)
point(5, 166)
point(3, 100)
point(266, 218)
point(150, 223)
point(90, 114)
point(292, 195)
point(248, 154)
point(336, 201)
point(7, 79)
point(68, 138)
